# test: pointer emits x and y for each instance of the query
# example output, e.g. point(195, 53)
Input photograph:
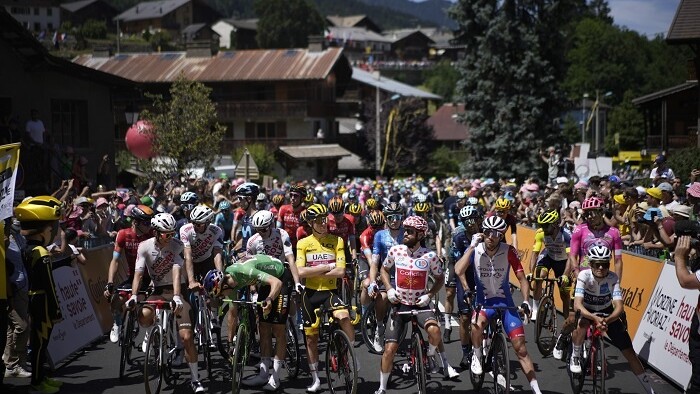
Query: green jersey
point(256, 270)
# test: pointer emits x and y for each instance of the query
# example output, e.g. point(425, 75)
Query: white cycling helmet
point(468, 212)
point(495, 223)
point(599, 252)
point(163, 222)
point(263, 219)
point(473, 201)
point(421, 197)
point(189, 198)
point(461, 195)
point(201, 214)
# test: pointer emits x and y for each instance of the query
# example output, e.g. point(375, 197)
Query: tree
point(184, 130)
point(625, 127)
point(442, 79)
point(572, 130)
point(263, 158)
point(287, 23)
point(94, 29)
point(600, 9)
point(509, 89)
point(444, 162)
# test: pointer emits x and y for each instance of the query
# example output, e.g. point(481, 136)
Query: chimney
point(200, 48)
point(317, 44)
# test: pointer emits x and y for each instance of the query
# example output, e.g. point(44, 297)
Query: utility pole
point(377, 133)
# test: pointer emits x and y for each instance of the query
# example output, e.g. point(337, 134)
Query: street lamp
point(598, 100)
point(131, 115)
point(583, 117)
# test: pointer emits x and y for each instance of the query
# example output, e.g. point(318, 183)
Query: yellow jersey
point(312, 252)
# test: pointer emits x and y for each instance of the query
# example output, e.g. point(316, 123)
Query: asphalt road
point(96, 369)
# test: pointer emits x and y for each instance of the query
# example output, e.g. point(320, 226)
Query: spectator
point(35, 128)
point(552, 160)
point(661, 170)
point(15, 352)
point(690, 280)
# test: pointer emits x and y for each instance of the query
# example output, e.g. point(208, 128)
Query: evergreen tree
point(287, 23)
point(509, 88)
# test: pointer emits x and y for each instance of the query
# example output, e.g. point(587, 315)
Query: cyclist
point(127, 242)
point(224, 219)
point(321, 261)
point(376, 223)
point(371, 204)
point(38, 218)
point(202, 243)
point(161, 257)
point(304, 229)
point(340, 224)
point(288, 216)
point(492, 259)
point(358, 219)
point(454, 209)
point(277, 201)
point(412, 264)
point(433, 237)
point(470, 219)
point(261, 201)
point(188, 200)
point(502, 208)
point(598, 291)
point(243, 229)
point(550, 252)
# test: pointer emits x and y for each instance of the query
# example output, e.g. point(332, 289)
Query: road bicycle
point(372, 334)
point(127, 331)
point(495, 358)
point(593, 361)
point(418, 359)
point(242, 341)
point(351, 285)
point(204, 328)
point(161, 347)
point(546, 323)
point(341, 365)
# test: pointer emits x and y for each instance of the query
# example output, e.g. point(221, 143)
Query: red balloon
point(139, 141)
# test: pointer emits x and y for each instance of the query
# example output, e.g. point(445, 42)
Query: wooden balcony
point(228, 110)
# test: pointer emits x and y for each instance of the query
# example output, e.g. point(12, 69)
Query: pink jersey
point(412, 270)
point(583, 238)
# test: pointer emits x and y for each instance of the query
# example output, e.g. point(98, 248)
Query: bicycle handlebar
point(319, 311)
point(159, 304)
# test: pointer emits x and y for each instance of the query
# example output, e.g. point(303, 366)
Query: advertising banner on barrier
point(94, 273)
point(79, 326)
point(664, 330)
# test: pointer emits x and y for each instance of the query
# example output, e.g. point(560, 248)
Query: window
point(69, 123)
point(228, 134)
point(265, 130)
point(20, 10)
point(36, 11)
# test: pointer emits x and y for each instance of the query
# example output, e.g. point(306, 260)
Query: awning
point(321, 151)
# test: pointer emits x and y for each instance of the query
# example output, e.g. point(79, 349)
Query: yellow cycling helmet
point(421, 207)
point(372, 204)
point(39, 209)
point(376, 219)
point(309, 197)
point(315, 211)
point(278, 199)
point(548, 217)
point(354, 209)
point(335, 205)
point(303, 216)
point(503, 204)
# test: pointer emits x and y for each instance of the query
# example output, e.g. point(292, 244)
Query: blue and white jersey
point(597, 294)
point(492, 273)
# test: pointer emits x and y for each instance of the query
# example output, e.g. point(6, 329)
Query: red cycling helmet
point(592, 203)
point(416, 222)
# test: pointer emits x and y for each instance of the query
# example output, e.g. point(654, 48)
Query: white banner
point(80, 325)
point(9, 160)
point(663, 333)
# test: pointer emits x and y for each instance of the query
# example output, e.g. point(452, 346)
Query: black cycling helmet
point(248, 189)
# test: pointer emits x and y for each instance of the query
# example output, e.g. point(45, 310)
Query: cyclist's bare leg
point(390, 349)
point(345, 323)
point(146, 317)
point(523, 357)
point(579, 334)
point(381, 306)
point(434, 337)
point(266, 338)
point(449, 305)
point(231, 322)
point(279, 330)
point(364, 297)
point(312, 347)
point(188, 341)
point(540, 272)
point(464, 322)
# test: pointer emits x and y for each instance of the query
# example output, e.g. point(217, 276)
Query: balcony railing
point(674, 141)
point(285, 109)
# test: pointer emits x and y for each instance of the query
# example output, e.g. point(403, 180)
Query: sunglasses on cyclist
point(261, 229)
point(166, 235)
point(394, 217)
point(600, 265)
point(493, 233)
point(321, 220)
point(294, 195)
point(200, 224)
point(593, 214)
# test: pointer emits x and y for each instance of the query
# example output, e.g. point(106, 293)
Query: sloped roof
point(390, 85)
point(247, 65)
point(665, 92)
point(445, 124)
point(400, 34)
point(77, 5)
point(345, 21)
point(321, 151)
point(356, 34)
point(686, 24)
point(193, 28)
point(150, 10)
point(248, 24)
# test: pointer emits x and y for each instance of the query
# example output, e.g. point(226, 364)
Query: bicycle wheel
point(369, 327)
point(501, 364)
point(598, 366)
point(239, 357)
point(341, 369)
point(419, 361)
point(546, 329)
point(221, 339)
point(153, 365)
point(292, 361)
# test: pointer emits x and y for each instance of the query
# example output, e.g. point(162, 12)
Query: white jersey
point(160, 261)
point(597, 294)
point(277, 245)
point(412, 270)
point(202, 244)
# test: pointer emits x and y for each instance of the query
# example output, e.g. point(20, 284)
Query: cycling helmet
point(278, 199)
point(372, 204)
point(503, 204)
point(262, 197)
point(421, 207)
point(599, 252)
point(417, 223)
point(299, 189)
point(201, 214)
point(309, 197)
point(248, 189)
point(316, 210)
point(39, 209)
point(548, 217)
point(303, 218)
point(352, 195)
point(393, 208)
point(212, 282)
point(263, 219)
point(189, 198)
point(354, 209)
point(469, 212)
point(224, 205)
point(335, 205)
point(421, 198)
point(461, 195)
point(495, 223)
point(592, 203)
point(473, 201)
point(376, 219)
point(142, 212)
point(163, 222)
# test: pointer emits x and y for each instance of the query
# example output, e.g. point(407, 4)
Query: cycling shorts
point(184, 319)
point(396, 322)
point(200, 269)
point(557, 266)
point(312, 300)
point(363, 268)
point(617, 331)
point(461, 305)
point(451, 278)
point(512, 324)
point(280, 305)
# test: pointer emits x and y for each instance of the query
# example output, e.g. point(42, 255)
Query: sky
point(649, 17)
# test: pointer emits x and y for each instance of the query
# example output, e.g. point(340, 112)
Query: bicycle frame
point(418, 359)
point(166, 343)
point(338, 342)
